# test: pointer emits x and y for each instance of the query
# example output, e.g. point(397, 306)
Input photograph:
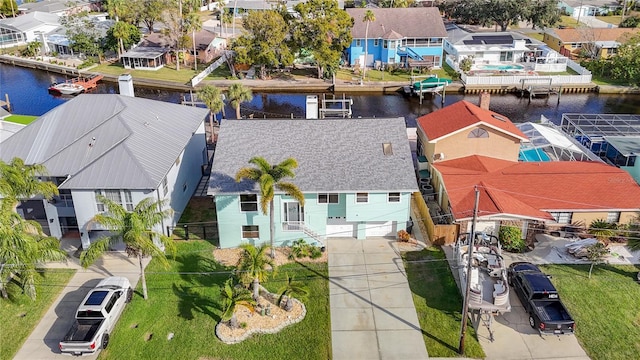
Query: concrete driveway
point(372, 310)
point(42, 343)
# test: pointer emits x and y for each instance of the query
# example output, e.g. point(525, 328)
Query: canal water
point(27, 90)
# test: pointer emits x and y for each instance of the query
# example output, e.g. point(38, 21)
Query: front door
point(293, 212)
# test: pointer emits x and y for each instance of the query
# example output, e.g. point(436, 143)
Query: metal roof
point(598, 125)
point(30, 21)
point(107, 141)
point(337, 155)
point(145, 52)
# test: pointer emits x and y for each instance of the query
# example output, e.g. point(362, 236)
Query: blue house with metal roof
point(404, 36)
point(357, 177)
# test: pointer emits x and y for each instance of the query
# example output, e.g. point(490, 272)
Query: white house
point(27, 28)
point(122, 147)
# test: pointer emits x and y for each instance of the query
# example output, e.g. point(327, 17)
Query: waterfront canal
point(27, 90)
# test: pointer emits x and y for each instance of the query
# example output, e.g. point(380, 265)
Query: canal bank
point(306, 85)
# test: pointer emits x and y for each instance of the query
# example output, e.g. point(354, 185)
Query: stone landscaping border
point(246, 335)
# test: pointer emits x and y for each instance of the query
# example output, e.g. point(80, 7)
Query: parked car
point(540, 299)
point(96, 317)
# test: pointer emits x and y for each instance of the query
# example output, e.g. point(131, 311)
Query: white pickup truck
point(96, 317)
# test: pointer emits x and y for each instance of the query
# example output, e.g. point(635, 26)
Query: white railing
point(300, 226)
point(517, 79)
point(577, 68)
point(196, 79)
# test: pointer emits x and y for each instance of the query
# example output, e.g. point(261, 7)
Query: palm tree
point(602, 230)
point(252, 266)
point(212, 98)
point(290, 289)
point(20, 181)
point(369, 17)
point(23, 247)
point(193, 23)
point(238, 94)
point(269, 178)
point(134, 228)
point(232, 297)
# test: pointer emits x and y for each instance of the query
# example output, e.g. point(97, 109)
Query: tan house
point(597, 43)
point(534, 194)
point(464, 129)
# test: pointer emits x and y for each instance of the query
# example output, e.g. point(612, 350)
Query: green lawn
point(167, 73)
point(606, 308)
point(398, 75)
point(613, 19)
point(438, 304)
point(20, 119)
point(20, 314)
point(187, 304)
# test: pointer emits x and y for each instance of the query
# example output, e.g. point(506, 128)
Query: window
point(111, 302)
point(394, 197)
point(384, 44)
point(99, 203)
point(613, 217)
point(376, 42)
point(562, 217)
point(362, 197)
point(165, 186)
point(250, 231)
point(478, 133)
point(358, 42)
point(128, 201)
point(387, 149)
point(249, 202)
point(328, 198)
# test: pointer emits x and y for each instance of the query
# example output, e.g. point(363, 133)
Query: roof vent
point(92, 142)
point(499, 117)
point(387, 149)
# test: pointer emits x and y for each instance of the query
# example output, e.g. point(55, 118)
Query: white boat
point(489, 290)
point(66, 88)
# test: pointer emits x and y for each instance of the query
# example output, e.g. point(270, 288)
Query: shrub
point(630, 22)
point(86, 64)
point(301, 249)
point(511, 239)
point(466, 63)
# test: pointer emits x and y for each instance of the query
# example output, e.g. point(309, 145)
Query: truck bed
point(551, 311)
point(83, 330)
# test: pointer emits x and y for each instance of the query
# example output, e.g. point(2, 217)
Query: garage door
point(380, 229)
point(340, 228)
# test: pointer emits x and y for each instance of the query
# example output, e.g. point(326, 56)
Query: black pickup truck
point(540, 299)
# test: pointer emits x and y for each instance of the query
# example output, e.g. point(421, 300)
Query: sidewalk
point(42, 343)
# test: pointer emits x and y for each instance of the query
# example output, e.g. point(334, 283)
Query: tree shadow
point(202, 276)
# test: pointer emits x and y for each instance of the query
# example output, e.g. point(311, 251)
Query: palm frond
point(95, 250)
point(248, 173)
point(633, 244)
point(261, 163)
point(291, 190)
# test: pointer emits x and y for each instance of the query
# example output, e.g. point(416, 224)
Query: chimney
point(125, 84)
point(485, 99)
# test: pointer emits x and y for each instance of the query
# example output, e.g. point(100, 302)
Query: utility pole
point(465, 307)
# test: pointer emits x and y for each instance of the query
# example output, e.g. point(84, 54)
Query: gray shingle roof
point(136, 141)
point(408, 22)
point(333, 155)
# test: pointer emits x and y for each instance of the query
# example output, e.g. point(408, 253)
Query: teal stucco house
point(357, 177)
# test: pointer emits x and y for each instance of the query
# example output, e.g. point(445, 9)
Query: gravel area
point(230, 257)
point(252, 322)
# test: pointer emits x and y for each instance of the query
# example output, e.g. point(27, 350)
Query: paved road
point(42, 343)
point(372, 310)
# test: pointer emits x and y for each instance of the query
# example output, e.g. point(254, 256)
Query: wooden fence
point(437, 234)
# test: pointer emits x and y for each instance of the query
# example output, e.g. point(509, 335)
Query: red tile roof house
point(463, 129)
point(530, 194)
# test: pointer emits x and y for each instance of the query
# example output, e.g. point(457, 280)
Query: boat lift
point(436, 88)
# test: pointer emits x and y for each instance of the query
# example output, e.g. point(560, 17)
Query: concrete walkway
point(42, 343)
point(372, 310)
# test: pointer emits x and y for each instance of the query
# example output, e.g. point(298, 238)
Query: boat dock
point(87, 82)
point(426, 84)
point(539, 87)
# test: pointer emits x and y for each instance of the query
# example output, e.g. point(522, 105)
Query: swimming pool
point(499, 67)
